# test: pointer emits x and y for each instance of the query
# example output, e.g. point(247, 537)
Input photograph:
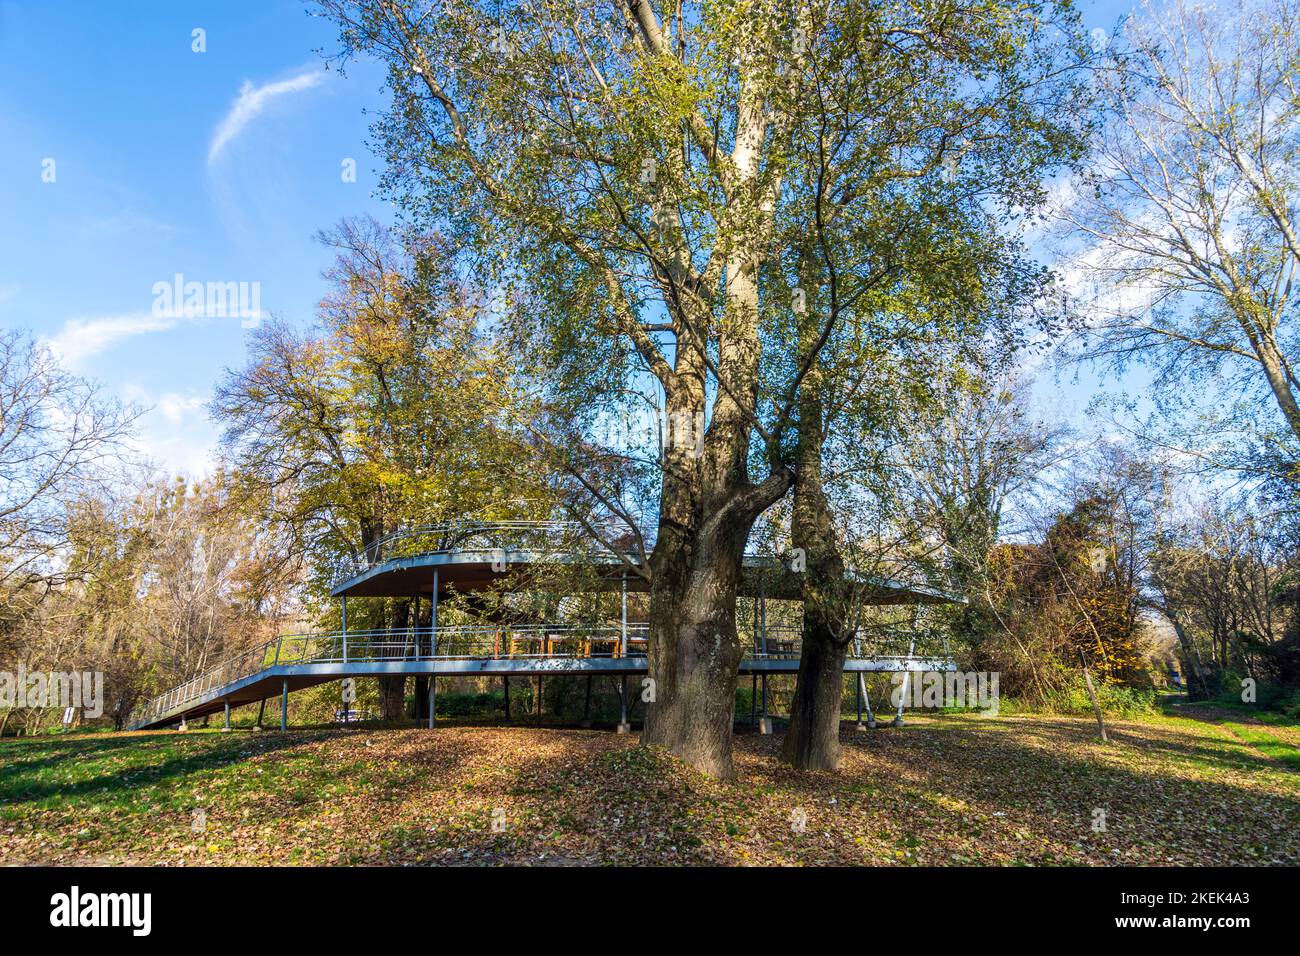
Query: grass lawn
point(948, 789)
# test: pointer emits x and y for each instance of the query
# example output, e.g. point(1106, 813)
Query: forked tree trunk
point(707, 503)
point(707, 508)
point(812, 740)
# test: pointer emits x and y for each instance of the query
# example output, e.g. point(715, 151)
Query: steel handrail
point(457, 643)
point(357, 644)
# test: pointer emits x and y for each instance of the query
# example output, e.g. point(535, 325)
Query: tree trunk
point(696, 651)
point(1263, 338)
point(707, 508)
point(812, 741)
point(707, 504)
point(392, 697)
point(392, 689)
point(421, 698)
point(1191, 659)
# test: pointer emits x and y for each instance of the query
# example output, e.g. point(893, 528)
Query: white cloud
point(79, 339)
point(176, 432)
point(174, 406)
point(251, 101)
point(127, 222)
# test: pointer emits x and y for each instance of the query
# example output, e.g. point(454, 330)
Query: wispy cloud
point(176, 432)
point(126, 222)
point(251, 101)
point(175, 407)
point(79, 339)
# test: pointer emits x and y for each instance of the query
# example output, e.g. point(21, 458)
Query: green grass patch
point(1267, 744)
point(959, 789)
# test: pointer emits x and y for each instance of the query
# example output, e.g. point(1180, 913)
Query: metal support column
point(623, 638)
point(433, 617)
point(505, 682)
point(345, 629)
point(226, 727)
point(433, 646)
point(863, 697)
point(624, 727)
point(765, 722)
point(907, 676)
point(866, 699)
point(284, 705)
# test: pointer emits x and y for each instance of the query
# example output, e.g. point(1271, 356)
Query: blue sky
point(116, 96)
point(218, 165)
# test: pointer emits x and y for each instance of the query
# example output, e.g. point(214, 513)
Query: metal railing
point(473, 642)
point(497, 642)
point(785, 642)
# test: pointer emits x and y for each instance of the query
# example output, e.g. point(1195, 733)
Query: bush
point(1114, 699)
point(1289, 704)
point(1268, 697)
point(472, 705)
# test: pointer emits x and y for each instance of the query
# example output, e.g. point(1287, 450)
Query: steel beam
point(907, 675)
point(433, 696)
point(623, 640)
point(764, 722)
point(624, 726)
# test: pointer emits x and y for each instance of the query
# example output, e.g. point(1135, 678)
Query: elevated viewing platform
point(438, 561)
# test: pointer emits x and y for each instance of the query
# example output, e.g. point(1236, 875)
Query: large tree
point(383, 417)
point(641, 170)
point(1182, 228)
point(60, 438)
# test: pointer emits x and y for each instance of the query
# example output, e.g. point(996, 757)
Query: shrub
point(1114, 699)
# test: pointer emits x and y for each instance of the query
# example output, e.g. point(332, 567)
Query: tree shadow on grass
point(1052, 793)
point(943, 793)
point(934, 792)
point(21, 784)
